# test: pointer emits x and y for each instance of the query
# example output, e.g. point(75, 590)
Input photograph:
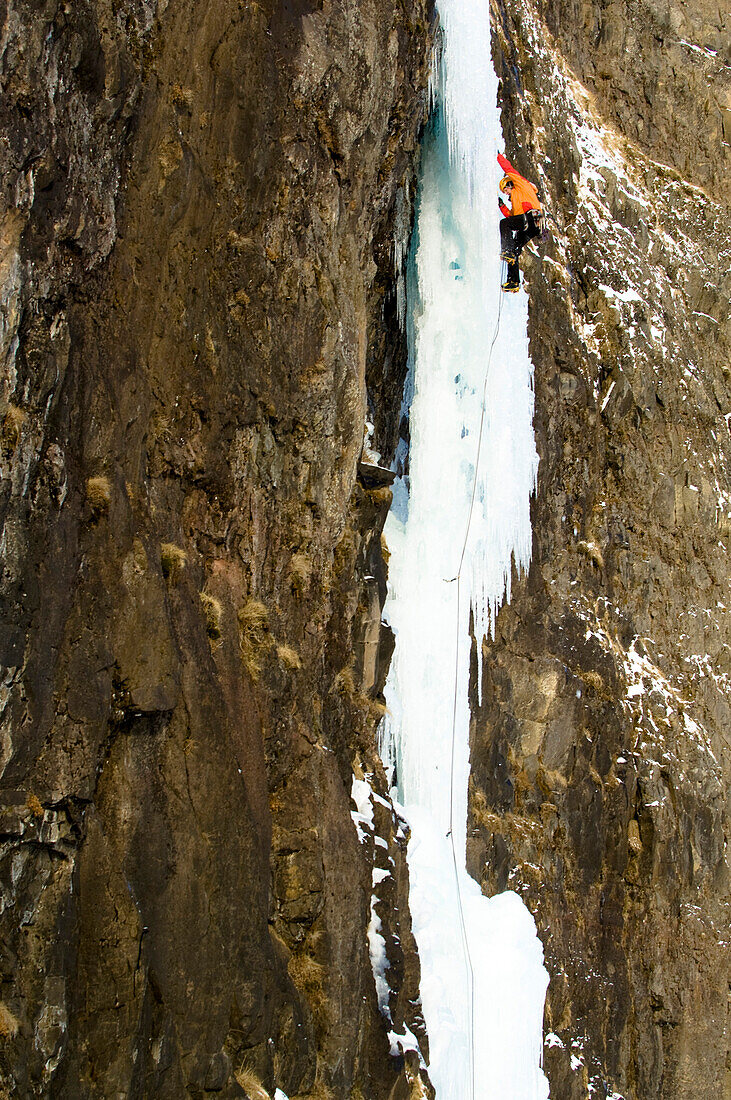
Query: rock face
point(600, 750)
point(198, 209)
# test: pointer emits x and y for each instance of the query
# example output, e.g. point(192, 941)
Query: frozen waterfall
point(453, 305)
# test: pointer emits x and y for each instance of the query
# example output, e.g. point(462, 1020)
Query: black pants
point(515, 232)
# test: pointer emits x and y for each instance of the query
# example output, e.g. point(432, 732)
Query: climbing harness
point(450, 834)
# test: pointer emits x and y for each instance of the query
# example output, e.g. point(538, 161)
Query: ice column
point(484, 1016)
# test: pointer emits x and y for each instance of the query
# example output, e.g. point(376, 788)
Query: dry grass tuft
point(300, 573)
point(181, 97)
point(288, 657)
point(376, 709)
point(344, 682)
point(254, 617)
point(254, 637)
point(160, 427)
point(34, 804)
point(11, 428)
point(251, 1083)
point(9, 1026)
point(306, 972)
point(98, 495)
point(240, 244)
point(310, 978)
point(173, 559)
point(212, 613)
point(595, 681)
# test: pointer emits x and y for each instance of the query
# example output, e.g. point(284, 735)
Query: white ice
point(490, 1050)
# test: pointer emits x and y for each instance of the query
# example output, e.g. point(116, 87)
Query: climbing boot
point(511, 285)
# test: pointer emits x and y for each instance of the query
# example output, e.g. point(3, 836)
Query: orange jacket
point(524, 196)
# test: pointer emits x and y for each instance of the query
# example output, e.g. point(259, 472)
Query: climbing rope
point(458, 578)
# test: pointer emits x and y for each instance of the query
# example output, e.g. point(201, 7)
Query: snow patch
point(361, 794)
point(379, 960)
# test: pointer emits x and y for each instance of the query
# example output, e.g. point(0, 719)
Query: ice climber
point(521, 222)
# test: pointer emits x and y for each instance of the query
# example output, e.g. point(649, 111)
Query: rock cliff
point(601, 750)
point(198, 316)
point(198, 210)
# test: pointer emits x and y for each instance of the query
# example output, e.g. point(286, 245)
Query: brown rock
point(195, 243)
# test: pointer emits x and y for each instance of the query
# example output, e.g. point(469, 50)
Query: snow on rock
point(362, 795)
point(379, 959)
point(382, 938)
